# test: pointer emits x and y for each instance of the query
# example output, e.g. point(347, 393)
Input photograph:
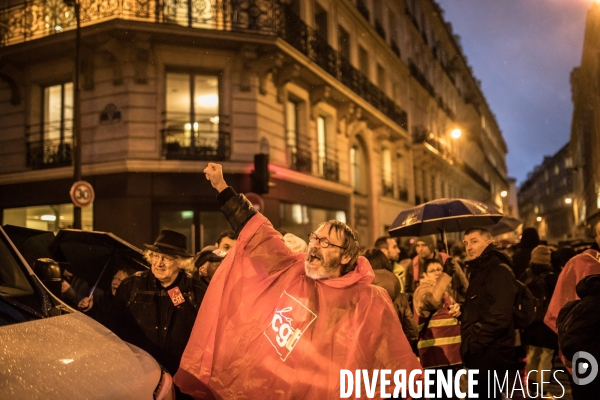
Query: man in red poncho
point(281, 325)
point(578, 267)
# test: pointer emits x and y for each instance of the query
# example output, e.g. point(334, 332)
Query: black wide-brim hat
point(170, 242)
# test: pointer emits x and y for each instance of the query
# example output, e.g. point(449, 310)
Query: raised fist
point(214, 173)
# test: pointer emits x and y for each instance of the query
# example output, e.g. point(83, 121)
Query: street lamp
point(76, 109)
point(503, 193)
point(568, 200)
point(456, 133)
point(539, 219)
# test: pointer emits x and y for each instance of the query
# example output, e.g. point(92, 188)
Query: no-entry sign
point(82, 194)
point(257, 201)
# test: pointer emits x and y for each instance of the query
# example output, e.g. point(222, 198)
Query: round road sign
point(82, 194)
point(257, 201)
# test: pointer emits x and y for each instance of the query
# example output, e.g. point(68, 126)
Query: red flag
point(267, 331)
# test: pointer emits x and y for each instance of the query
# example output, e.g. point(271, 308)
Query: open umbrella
point(31, 243)
point(505, 225)
point(443, 215)
point(96, 256)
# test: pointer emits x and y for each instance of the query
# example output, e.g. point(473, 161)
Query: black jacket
point(487, 323)
point(538, 333)
point(150, 320)
point(578, 321)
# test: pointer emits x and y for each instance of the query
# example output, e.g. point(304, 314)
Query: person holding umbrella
point(487, 326)
point(155, 310)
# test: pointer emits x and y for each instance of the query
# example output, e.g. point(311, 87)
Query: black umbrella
point(505, 225)
point(443, 215)
point(31, 243)
point(96, 256)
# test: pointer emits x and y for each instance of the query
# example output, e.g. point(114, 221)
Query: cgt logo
point(289, 322)
point(581, 368)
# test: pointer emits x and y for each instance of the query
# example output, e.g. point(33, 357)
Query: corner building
point(354, 102)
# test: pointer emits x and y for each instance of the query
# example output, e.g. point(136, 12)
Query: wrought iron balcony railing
point(414, 71)
point(331, 170)
point(49, 145)
point(207, 138)
point(387, 189)
point(301, 160)
point(38, 18)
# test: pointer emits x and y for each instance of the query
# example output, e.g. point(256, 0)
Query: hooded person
point(278, 324)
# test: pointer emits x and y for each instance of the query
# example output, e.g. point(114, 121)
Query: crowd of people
point(270, 315)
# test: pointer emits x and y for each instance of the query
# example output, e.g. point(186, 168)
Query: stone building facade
point(353, 101)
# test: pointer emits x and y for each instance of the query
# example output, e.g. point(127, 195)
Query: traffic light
point(260, 175)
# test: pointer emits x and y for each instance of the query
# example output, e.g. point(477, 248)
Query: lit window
point(49, 139)
point(192, 110)
point(321, 144)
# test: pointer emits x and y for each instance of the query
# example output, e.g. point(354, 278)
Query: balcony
point(207, 138)
point(419, 77)
point(49, 145)
point(331, 170)
point(302, 161)
point(387, 189)
point(38, 18)
point(402, 194)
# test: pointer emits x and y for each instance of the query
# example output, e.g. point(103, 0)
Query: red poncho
point(267, 331)
point(578, 267)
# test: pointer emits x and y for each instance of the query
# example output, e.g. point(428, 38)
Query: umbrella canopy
point(505, 225)
point(443, 215)
point(31, 243)
point(96, 256)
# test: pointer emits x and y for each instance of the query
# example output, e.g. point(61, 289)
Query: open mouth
point(314, 256)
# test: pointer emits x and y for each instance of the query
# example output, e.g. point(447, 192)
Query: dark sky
point(523, 51)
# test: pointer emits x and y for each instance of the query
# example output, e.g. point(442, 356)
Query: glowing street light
point(568, 200)
point(503, 193)
point(539, 219)
point(456, 133)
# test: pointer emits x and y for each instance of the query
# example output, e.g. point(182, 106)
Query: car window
point(13, 282)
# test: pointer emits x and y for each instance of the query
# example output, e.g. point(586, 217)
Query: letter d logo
point(583, 367)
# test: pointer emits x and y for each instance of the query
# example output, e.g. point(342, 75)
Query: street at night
point(299, 199)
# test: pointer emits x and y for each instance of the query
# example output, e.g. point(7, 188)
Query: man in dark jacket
point(155, 310)
point(578, 325)
point(487, 328)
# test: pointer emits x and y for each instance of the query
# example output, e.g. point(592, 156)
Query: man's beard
point(326, 270)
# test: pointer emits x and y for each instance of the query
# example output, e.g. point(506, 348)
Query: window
point(193, 121)
point(343, 42)
point(381, 77)
point(363, 59)
point(321, 23)
point(401, 165)
point(301, 220)
point(321, 144)
point(358, 169)
point(386, 172)
point(48, 217)
point(291, 130)
point(50, 136)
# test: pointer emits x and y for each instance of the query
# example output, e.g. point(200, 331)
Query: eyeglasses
point(323, 242)
point(157, 257)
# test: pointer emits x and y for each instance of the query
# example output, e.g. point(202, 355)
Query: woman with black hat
point(156, 310)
